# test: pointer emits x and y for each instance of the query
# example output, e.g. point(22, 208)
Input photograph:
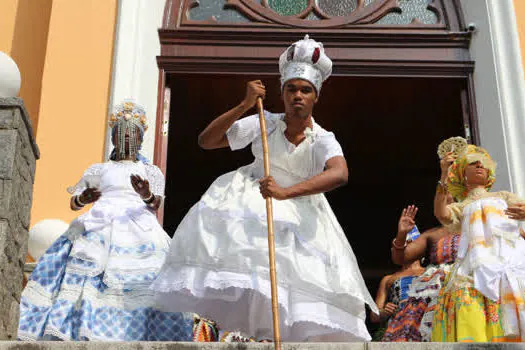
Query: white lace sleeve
point(156, 180)
point(247, 129)
point(327, 147)
point(91, 177)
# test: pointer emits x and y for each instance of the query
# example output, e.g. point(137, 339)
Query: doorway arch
point(399, 86)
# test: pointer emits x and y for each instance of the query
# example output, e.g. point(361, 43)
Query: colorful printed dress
point(397, 294)
point(93, 282)
point(218, 260)
point(413, 321)
point(483, 298)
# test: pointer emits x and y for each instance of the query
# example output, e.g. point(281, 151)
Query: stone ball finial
point(10, 78)
point(43, 234)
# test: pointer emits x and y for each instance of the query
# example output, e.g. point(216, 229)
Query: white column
point(500, 87)
point(135, 72)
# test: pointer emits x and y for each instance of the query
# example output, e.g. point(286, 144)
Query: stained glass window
point(288, 7)
point(209, 8)
point(337, 8)
point(410, 9)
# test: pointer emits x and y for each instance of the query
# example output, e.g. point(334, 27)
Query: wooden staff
point(271, 237)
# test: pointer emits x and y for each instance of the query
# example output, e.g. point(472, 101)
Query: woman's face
point(127, 136)
point(476, 174)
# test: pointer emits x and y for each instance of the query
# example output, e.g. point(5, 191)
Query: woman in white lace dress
point(218, 260)
point(93, 282)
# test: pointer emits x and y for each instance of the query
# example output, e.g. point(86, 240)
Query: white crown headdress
point(129, 112)
point(305, 59)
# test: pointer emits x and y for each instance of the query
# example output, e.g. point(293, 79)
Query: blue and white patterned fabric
point(94, 284)
point(413, 234)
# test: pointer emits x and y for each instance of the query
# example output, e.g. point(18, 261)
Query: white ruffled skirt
point(218, 266)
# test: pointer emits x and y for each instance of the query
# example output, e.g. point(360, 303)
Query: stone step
point(252, 346)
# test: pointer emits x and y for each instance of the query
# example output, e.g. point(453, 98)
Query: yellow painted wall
point(74, 100)
point(519, 8)
point(7, 24)
point(28, 49)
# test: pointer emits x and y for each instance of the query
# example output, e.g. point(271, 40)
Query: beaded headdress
point(456, 182)
point(128, 117)
point(305, 59)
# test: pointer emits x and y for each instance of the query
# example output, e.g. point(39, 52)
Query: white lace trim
point(171, 280)
point(164, 284)
point(53, 331)
point(156, 179)
point(341, 320)
point(129, 300)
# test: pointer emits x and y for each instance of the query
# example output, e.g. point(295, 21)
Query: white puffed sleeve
point(155, 179)
point(247, 129)
point(91, 178)
point(326, 147)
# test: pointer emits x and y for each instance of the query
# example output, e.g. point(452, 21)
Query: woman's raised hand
point(407, 219)
point(445, 163)
point(141, 186)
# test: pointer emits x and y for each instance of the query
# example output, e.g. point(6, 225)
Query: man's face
point(299, 98)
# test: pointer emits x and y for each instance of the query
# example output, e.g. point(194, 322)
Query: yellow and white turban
point(457, 185)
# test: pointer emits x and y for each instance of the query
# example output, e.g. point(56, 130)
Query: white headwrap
point(305, 59)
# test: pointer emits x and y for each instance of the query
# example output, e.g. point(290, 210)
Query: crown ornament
point(129, 112)
point(305, 59)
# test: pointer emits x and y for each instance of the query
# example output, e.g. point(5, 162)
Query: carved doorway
point(402, 82)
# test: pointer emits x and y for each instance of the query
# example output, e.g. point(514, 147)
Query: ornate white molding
point(500, 87)
point(511, 87)
point(135, 71)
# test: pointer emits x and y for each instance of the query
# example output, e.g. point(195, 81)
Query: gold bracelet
point(396, 246)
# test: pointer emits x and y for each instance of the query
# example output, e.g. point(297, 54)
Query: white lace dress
point(218, 260)
point(93, 282)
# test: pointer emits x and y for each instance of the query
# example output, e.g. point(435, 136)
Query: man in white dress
point(218, 260)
